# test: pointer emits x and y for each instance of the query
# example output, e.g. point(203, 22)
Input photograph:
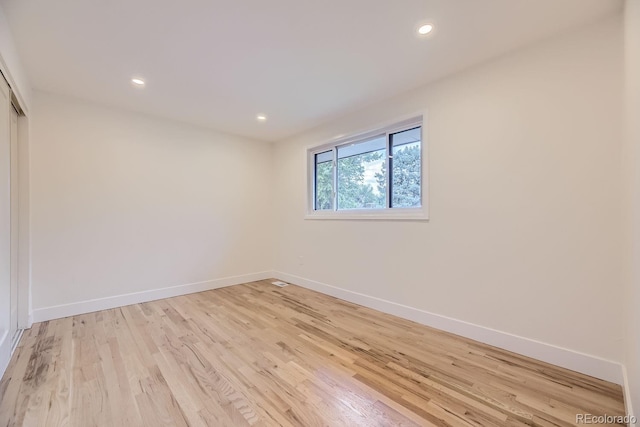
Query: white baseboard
point(5, 352)
point(16, 340)
point(88, 306)
point(587, 364)
point(626, 388)
point(584, 363)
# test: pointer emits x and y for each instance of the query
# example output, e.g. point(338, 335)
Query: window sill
point(368, 215)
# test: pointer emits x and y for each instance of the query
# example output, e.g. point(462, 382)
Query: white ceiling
point(218, 63)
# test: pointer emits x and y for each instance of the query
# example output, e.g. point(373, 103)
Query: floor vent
point(279, 283)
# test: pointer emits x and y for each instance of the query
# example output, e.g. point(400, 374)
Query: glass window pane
point(406, 168)
point(362, 174)
point(324, 181)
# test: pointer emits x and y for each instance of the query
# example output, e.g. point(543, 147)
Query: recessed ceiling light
point(425, 29)
point(261, 118)
point(137, 82)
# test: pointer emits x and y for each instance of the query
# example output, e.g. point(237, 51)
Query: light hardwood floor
point(260, 355)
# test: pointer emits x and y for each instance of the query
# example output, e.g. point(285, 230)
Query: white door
point(5, 223)
point(13, 320)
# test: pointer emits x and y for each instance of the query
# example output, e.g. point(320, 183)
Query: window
point(361, 178)
point(324, 180)
point(375, 175)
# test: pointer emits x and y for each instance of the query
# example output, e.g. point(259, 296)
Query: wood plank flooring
point(260, 355)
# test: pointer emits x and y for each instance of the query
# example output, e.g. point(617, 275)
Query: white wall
point(632, 296)
point(525, 232)
point(125, 203)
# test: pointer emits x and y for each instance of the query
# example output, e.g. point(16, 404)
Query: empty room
point(338, 213)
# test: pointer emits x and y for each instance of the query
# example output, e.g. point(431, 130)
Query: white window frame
point(408, 214)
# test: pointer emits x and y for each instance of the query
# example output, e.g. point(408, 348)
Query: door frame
point(24, 218)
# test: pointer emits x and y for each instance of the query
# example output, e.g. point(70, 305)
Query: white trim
point(89, 306)
point(16, 340)
point(570, 359)
point(626, 389)
point(404, 214)
point(5, 352)
point(24, 222)
point(587, 364)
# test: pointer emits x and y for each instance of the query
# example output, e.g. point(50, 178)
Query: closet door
point(13, 310)
point(5, 222)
